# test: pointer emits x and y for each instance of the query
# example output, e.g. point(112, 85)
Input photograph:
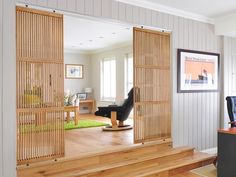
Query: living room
point(103, 53)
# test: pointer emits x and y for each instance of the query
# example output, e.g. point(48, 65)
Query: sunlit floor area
point(88, 140)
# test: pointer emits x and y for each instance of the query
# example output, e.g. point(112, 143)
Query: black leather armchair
point(117, 112)
point(231, 106)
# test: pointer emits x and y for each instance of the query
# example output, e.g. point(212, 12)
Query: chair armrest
point(110, 108)
point(233, 122)
point(113, 105)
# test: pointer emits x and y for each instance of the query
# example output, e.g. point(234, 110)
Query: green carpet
point(83, 124)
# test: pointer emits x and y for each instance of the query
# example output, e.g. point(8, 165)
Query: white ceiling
point(92, 35)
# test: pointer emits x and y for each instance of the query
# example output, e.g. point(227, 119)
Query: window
point(108, 79)
point(128, 73)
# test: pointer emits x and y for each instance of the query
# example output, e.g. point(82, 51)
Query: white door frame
point(7, 89)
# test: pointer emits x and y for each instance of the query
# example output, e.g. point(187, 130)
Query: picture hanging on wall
point(74, 71)
point(197, 71)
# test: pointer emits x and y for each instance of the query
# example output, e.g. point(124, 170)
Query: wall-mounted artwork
point(82, 96)
point(74, 71)
point(197, 71)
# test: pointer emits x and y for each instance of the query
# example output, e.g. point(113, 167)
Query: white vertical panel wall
point(1, 127)
point(229, 74)
point(195, 115)
point(7, 89)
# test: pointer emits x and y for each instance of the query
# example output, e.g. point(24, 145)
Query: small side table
point(74, 109)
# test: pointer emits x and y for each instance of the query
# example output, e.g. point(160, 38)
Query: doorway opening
point(105, 52)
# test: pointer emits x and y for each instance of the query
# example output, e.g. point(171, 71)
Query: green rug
point(83, 124)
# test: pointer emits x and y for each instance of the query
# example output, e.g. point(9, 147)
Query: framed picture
point(82, 96)
point(197, 71)
point(74, 71)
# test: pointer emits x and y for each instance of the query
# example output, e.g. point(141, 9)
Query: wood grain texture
point(152, 113)
point(187, 174)
point(40, 85)
point(194, 123)
point(103, 159)
point(139, 161)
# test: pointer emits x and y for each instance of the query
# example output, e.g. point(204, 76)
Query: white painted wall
point(226, 25)
point(78, 85)
point(7, 89)
point(119, 54)
point(1, 83)
point(229, 74)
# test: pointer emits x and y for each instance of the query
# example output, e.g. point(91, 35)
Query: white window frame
point(110, 98)
point(127, 83)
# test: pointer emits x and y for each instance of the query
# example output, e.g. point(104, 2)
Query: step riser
point(130, 154)
point(129, 167)
point(76, 164)
point(190, 167)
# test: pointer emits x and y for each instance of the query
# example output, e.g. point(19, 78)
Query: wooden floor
point(87, 140)
point(188, 174)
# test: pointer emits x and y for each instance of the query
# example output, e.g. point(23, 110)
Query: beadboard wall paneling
point(229, 74)
point(195, 115)
point(8, 89)
point(1, 117)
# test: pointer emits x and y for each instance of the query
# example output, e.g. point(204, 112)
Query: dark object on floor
point(231, 106)
point(116, 112)
point(215, 162)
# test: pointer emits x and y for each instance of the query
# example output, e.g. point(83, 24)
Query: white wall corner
point(226, 25)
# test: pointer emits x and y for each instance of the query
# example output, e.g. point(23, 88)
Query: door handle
point(50, 80)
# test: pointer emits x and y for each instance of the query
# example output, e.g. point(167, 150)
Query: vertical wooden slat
point(152, 113)
point(40, 132)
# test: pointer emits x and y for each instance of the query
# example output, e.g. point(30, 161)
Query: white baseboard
point(210, 151)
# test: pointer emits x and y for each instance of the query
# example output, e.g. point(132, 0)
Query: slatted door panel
point(40, 85)
point(152, 113)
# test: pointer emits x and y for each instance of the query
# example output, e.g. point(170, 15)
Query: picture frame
point(197, 71)
point(74, 71)
point(82, 96)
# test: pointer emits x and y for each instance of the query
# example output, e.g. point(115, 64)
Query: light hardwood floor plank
point(81, 141)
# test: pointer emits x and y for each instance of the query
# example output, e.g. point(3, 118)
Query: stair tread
point(197, 157)
point(135, 147)
point(149, 169)
point(143, 158)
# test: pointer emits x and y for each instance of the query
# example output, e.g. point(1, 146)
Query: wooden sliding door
point(152, 82)
point(40, 85)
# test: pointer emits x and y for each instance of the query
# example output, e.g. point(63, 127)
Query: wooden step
point(149, 160)
point(187, 174)
point(64, 165)
point(166, 166)
point(157, 158)
point(181, 165)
